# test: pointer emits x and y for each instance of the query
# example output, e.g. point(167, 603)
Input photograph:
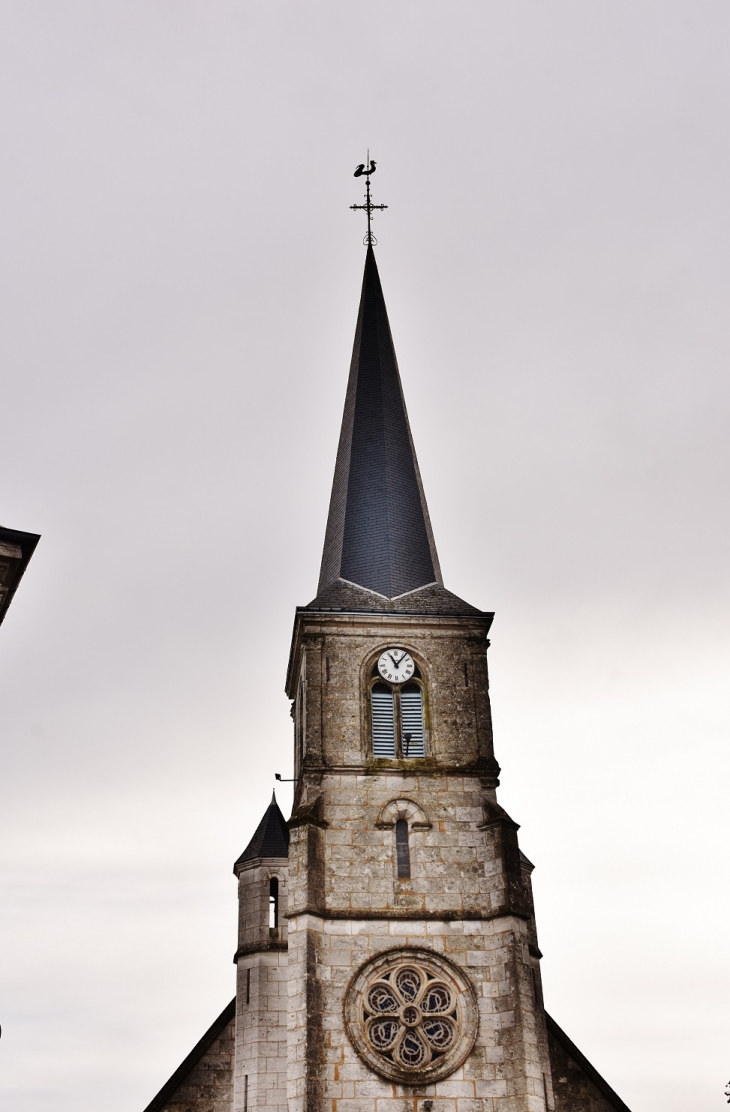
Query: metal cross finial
point(367, 168)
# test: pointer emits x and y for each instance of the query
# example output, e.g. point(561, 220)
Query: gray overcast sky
point(180, 276)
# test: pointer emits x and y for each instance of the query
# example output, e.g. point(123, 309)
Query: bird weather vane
point(365, 169)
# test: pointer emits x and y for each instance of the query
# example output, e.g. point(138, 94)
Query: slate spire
point(378, 531)
point(271, 837)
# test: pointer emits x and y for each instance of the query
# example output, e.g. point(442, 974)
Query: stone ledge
point(259, 948)
point(403, 913)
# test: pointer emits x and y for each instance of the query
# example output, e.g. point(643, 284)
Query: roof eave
point(25, 544)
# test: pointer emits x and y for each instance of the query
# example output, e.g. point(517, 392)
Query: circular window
point(411, 1015)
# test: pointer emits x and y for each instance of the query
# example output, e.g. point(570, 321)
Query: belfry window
point(273, 903)
point(397, 716)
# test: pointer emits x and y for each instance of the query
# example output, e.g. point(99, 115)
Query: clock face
point(396, 665)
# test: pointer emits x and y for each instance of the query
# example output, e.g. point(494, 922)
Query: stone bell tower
point(387, 956)
point(412, 962)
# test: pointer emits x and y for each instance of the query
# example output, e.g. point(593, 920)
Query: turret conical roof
point(271, 837)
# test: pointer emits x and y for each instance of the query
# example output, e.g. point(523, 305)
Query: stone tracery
point(411, 1015)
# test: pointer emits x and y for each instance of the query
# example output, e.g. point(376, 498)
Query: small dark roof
point(168, 1089)
point(378, 531)
point(590, 1071)
point(271, 838)
point(16, 549)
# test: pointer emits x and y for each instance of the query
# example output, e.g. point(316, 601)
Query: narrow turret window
point(273, 903)
point(383, 721)
point(402, 852)
point(413, 741)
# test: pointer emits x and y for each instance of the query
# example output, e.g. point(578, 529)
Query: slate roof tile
point(271, 837)
point(378, 531)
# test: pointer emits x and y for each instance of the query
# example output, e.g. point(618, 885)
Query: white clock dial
point(396, 665)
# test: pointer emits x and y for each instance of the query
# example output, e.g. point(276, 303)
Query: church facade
point(387, 956)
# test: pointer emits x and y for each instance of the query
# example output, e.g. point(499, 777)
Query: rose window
point(411, 1015)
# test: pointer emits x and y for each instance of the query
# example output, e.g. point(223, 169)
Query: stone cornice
point(405, 914)
point(259, 948)
point(422, 766)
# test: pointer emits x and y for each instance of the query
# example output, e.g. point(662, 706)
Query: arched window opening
point(397, 710)
point(383, 712)
point(273, 903)
point(413, 741)
point(402, 852)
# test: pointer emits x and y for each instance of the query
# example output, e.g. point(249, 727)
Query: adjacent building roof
point(378, 533)
point(16, 549)
point(581, 1088)
point(158, 1103)
point(574, 1091)
point(271, 838)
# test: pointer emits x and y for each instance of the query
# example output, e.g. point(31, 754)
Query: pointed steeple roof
point(378, 532)
point(271, 837)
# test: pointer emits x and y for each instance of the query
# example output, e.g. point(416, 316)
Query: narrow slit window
point(383, 712)
point(248, 985)
point(273, 903)
point(402, 852)
point(299, 727)
point(245, 1092)
point(413, 741)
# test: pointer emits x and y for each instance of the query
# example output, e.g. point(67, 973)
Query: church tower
point(413, 964)
point(387, 956)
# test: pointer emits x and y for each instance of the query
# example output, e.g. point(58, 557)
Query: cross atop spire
point(367, 168)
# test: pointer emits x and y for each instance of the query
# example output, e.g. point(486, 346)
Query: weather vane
point(367, 169)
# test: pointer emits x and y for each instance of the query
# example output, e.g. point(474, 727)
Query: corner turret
point(260, 1059)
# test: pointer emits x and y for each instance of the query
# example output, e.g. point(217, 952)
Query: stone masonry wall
point(261, 1033)
point(254, 932)
point(467, 896)
point(209, 1085)
point(261, 991)
point(505, 1071)
point(457, 853)
point(338, 653)
point(467, 881)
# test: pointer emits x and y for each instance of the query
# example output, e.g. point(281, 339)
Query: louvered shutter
point(383, 721)
point(411, 713)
